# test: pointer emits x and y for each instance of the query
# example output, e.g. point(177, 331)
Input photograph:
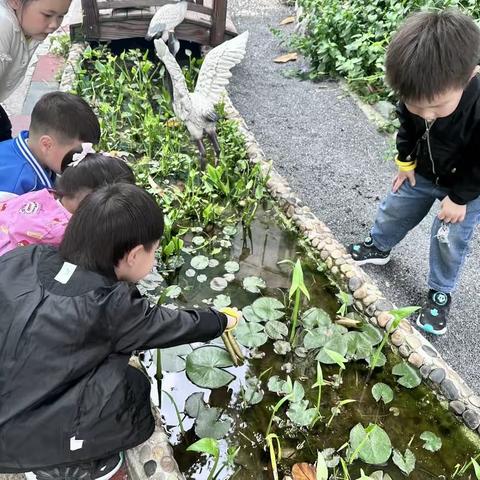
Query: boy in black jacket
point(70, 319)
point(431, 65)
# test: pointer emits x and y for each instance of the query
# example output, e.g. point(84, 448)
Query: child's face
point(50, 152)
point(136, 264)
point(38, 18)
point(71, 203)
point(441, 106)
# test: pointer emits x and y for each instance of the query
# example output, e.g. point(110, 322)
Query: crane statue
point(163, 24)
point(197, 109)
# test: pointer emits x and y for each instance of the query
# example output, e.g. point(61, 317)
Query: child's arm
point(6, 34)
point(135, 325)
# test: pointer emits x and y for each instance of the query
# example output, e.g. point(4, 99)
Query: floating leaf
point(276, 384)
point(213, 262)
point(297, 393)
point(229, 277)
point(409, 376)
point(276, 330)
point(406, 463)
point(202, 278)
point(303, 471)
point(379, 475)
point(268, 308)
point(337, 344)
point(205, 445)
point(232, 267)
point(432, 441)
point(281, 347)
point(208, 424)
point(253, 284)
point(221, 301)
point(190, 272)
point(371, 334)
point(380, 360)
point(205, 367)
point(218, 284)
point(381, 391)
point(198, 240)
point(374, 446)
point(301, 352)
point(331, 458)
point(230, 230)
point(288, 57)
point(194, 404)
point(251, 334)
point(250, 316)
point(252, 391)
point(322, 467)
point(299, 414)
point(173, 359)
point(315, 338)
point(173, 291)
point(316, 317)
point(199, 262)
point(287, 20)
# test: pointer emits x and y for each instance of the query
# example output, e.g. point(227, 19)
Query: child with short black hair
point(60, 122)
point(70, 320)
point(431, 65)
point(41, 216)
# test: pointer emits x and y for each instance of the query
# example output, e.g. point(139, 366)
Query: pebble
point(150, 468)
point(397, 337)
point(334, 269)
point(457, 406)
point(404, 350)
point(361, 293)
point(354, 283)
point(405, 325)
point(471, 419)
point(351, 274)
point(384, 305)
point(324, 254)
point(425, 371)
point(370, 299)
point(346, 268)
point(329, 262)
point(449, 390)
point(437, 375)
point(430, 351)
point(336, 254)
point(383, 319)
point(474, 400)
point(413, 341)
point(415, 359)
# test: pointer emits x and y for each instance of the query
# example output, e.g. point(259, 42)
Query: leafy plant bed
point(308, 383)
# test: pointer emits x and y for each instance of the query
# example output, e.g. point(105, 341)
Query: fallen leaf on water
point(287, 20)
point(288, 57)
point(304, 471)
point(347, 322)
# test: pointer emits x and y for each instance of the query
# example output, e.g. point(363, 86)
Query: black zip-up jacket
point(447, 153)
point(67, 394)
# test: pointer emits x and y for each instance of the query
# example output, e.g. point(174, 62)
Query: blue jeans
point(401, 211)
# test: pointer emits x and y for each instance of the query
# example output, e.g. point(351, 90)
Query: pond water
point(411, 412)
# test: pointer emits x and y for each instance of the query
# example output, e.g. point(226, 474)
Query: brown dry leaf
point(304, 471)
point(347, 322)
point(155, 187)
point(287, 20)
point(288, 57)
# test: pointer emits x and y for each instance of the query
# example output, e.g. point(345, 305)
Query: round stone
point(437, 375)
point(321, 245)
point(336, 253)
point(389, 327)
point(359, 305)
point(425, 371)
point(329, 262)
point(168, 464)
point(369, 299)
point(430, 351)
point(370, 311)
point(405, 326)
point(413, 341)
point(360, 293)
point(457, 406)
point(354, 283)
point(397, 338)
point(334, 269)
point(350, 274)
point(383, 305)
point(324, 254)
point(384, 318)
point(373, 321)
point(346, 268)
point(290, 211)
point(145, 453)
point(339, 261)
point(471, 419)
point(150, 468)
point(404, 351)
point(315, 242)
point(415, 359)
point(474, 400)
point(449, 390)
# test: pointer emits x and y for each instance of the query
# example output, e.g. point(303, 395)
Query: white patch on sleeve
point(75, 444)
point(5, 57)
point(65, 273)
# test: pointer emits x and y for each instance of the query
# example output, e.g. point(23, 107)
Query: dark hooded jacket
point(448, 151)
point(67, 394)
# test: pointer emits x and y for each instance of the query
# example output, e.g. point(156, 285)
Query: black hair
point(432, 52)
point(108, 224)
point(65, 116)
point(94, 171)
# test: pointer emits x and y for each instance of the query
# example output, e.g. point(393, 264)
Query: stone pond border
point(154, 459)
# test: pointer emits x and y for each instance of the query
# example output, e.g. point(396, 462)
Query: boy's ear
point(132, 255)
point(46, 142)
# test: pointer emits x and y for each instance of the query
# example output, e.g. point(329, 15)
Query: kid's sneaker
point(367, 252)
point(433, 316)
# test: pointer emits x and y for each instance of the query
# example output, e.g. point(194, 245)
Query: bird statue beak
point(148, 38)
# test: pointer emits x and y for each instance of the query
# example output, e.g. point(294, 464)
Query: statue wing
point(215, 72)
point(167, 18)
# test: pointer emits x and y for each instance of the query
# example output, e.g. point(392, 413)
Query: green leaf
point(337, 344)
point(251, 334)
point(381, 391)
point(232, 267)
point(200, 262)
point(476, 467)
point(276, 384)
point(202, 278)
point(297, 281)
point(409, 376)
point(336, 357)
point(205, 445)
point(250, 316)
point(322, 469)
point(205, 367)
point(194, 404)
point(230, 230)
point(208, 424)
point(315, 338)
point(380, 360)
point(282, 347)
point(268, 308)
point(218, 284)
point(297, 392)
point(253, 284)
point(173, 291)
point(406, 463)
point(173, 359)
point(198, 240)
point(299, 414)
point(316, 317)
point(276, 330)
point(371, 334)
point(432, 441)
point(221, 301)
point(374, 447)
point(252, 391)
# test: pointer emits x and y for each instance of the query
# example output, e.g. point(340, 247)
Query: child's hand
point(233, 316)
point(400, 177)
point(451, 212)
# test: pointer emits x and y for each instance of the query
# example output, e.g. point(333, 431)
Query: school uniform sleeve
point(6, 38)
point(136, 325)
point(405, 135)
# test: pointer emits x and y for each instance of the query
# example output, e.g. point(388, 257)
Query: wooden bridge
point(206, 21)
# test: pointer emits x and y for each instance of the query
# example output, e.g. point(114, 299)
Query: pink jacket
point(35, 217)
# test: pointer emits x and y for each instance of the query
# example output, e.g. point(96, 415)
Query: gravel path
point(336, 161)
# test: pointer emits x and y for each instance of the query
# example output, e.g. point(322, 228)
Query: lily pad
point(213, 262)
point(408, 375)
point(251, 334)
point(199, 262)
point(301, 352)
point(268, 308)
point(381, 391)
point(250, 316)
point(316, 317)
point(315, 338)
point(205, 367)
point(406, 463)
point(194, 404)
point(173, 359)
point(380, 360)
point(332, 459)
point(190, 273)
point(300, 414)
point(276, 330)
point(297, 392)
point(209, 425)
point(230, 230)
point(253, 284)
point(173, 291)
point(221, 301)
point(202, 278)
point(276, 384)
point(281, 347)
point(337, 344)
point(374, 448)
point(432, 443)
point(218, 284)
point(232, 267)
point(225, 243)
point(198, 240)
point(252, 391)
point(229, 277)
